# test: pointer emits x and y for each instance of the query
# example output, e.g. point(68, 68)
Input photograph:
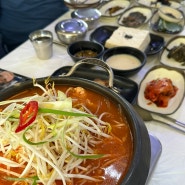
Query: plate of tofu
point(113, 36)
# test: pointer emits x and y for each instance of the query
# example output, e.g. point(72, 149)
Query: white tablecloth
point(170, 168)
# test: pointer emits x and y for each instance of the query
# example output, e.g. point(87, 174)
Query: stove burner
point(156, 149)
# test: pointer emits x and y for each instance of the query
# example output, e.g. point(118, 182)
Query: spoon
point(147, 116)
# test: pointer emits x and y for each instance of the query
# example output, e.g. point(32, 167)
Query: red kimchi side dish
point(160, 91)
point(60, 135)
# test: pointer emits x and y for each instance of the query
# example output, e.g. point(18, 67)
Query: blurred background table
point(170, 168)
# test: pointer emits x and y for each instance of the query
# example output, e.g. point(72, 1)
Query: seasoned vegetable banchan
point(178, 53)
point(60, 135)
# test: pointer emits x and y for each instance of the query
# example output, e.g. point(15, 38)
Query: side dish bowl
point(170, 14)
point(71, 30)
point(165, 92)
point(74, 4)
point(167, 23)
point(124, 60)
point(90, 15)
point(85, 49)
point(114, 8)
point(157, 4)
point(173, 54)
point(135, 16)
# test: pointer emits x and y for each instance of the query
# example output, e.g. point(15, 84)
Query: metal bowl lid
point(72, 26)
point(86, 14)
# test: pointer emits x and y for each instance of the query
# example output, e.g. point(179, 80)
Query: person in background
point(18, 18)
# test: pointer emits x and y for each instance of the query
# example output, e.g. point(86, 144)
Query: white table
point(170, 168)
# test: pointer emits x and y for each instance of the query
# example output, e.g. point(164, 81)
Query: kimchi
point(160, 91)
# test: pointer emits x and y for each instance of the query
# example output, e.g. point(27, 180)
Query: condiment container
point(90, 15)
point(42, 41)
point(71, 30)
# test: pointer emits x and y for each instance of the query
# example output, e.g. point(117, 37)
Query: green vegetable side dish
point(167, 27)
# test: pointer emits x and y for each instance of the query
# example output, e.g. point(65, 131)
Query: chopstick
point(173, 120)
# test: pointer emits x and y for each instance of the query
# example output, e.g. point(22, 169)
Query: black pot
point(139, 167)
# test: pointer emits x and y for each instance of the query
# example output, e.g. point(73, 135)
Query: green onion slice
point(65, 113)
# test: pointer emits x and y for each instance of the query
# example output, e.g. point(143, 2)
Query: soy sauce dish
point(85, 49)
point(124, 61)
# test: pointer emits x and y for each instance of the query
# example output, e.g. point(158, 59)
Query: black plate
point(102, 33)
point(8, 79)
point(156, 149)
point(128, 88)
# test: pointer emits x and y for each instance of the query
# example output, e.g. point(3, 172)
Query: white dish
point(177, 78)
point(82, 3)
point(156, 4)
point(160, 25)
point(170, 14)
point(122, 5)
point(145, 11)
point(165, 60)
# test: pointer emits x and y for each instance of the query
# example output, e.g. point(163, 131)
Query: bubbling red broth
point(117, 149)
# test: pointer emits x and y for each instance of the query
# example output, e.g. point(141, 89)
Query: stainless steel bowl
point(90, 15)
point(71, 30)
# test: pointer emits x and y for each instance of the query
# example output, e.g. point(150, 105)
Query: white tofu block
point(131, 37)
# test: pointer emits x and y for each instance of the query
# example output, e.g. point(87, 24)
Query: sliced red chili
point(27, 115)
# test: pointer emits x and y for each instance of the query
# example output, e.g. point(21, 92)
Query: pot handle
point(97, 62)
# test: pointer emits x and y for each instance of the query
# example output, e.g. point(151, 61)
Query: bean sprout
point(53, 145)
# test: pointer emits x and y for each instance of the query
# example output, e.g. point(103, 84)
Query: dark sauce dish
point(127, 88)
point(85, 49)
point(156, 45)
point(102, 33)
